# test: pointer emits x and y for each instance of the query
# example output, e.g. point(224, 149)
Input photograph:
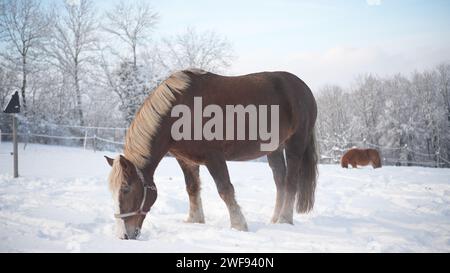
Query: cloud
point(342, 64)
point(373, 2)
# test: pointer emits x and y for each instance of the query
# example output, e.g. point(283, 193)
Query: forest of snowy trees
point(407, 118)
point(78, 68)
point(74, 64)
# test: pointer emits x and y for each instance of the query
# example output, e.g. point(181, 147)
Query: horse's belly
point(359, 159)
point(199, 152)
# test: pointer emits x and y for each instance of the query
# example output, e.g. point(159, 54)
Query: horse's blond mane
point(148, 118)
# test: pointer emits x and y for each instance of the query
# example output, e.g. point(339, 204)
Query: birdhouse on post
point(13, 107)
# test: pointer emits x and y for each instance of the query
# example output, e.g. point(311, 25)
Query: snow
point(61, 203)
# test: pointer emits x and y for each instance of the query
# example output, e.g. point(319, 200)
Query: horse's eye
point(125, 189)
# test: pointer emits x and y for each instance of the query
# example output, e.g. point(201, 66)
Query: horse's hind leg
point(277, 164)
point(217, 167)
point(192, 179)
point(293, 161)
point(301, 162)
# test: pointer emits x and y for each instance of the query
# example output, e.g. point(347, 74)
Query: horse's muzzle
point(132, 236)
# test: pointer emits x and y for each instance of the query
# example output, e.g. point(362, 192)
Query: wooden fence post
point(15, 147)
point(85, 139)
point(94, 142)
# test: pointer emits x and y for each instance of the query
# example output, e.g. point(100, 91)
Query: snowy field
point(61, 203)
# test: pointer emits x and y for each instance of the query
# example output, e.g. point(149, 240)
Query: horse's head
point(133, 196)
point(375, 157)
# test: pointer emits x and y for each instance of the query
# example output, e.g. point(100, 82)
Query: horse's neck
point(149, 160)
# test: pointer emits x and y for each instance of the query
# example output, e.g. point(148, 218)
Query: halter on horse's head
point(133, 196)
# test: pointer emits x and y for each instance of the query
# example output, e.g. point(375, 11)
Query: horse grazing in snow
point(150, 137)
point(361, 157)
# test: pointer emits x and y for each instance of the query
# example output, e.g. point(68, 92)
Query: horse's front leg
point(192, 179)
point(217, 167)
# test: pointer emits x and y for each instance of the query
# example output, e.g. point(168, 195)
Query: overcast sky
point(323, 42)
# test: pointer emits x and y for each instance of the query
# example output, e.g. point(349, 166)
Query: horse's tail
point(308, 177)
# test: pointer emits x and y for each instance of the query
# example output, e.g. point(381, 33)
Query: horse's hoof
point(240, 228)
point(245, 229)
point(194, 221)
point(284, 220)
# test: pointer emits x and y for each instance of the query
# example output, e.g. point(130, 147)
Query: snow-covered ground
point(61, 203)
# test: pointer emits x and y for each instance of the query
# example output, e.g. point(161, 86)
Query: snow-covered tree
point(24, 26)
point(132, 87)
point(334, 122)
point(8, 85)
point(434, 123)
point(398, 119)
point(367, 100)
point(132, 22)
point(443, 74)
point(192, 49)
point(407, 119)
point(72, 47)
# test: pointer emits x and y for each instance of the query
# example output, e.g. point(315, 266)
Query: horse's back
point(263, 88)
point(262, 83)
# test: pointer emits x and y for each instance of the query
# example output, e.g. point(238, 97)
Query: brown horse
point(361, 157)
point(149, 138)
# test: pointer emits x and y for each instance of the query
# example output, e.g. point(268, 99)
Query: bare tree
point(23, 26)
point(443, 71)
point(74, 39)
point(367, 105)
point(132, 23)
point(206, 50)
point(333, 121)
point(7, 85)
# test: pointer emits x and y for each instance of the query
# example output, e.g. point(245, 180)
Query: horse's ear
point(124, 162)
point(109, 160)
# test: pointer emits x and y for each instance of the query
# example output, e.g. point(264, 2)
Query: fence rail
point(95, 137)
point(109, 138)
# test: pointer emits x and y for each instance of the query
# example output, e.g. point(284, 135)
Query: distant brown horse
point(149, 138)
point(361, 157)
